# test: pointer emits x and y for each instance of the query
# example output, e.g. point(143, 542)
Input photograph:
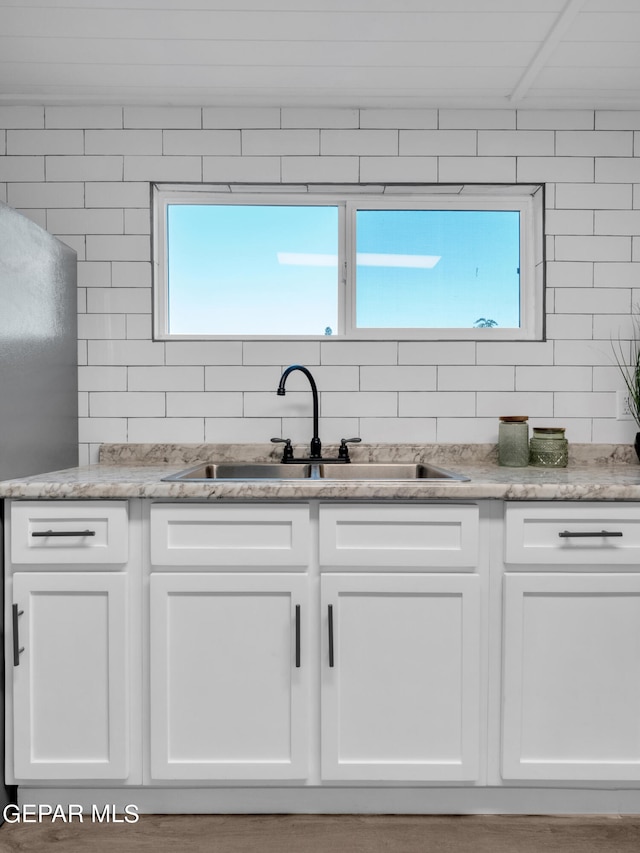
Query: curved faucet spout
point(316, 446)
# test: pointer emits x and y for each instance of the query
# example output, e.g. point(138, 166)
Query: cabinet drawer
point(399, 535)
point(572, 533)
point(62, 532)
point(201, 535)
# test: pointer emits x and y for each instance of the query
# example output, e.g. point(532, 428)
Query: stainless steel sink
point(241, 471)
point(387, 471)
point(208, 471)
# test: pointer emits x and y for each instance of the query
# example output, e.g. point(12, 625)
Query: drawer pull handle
point(330, 617)
point(45, 533)
point(584, 534)
point(297, 636)
point(17, 649)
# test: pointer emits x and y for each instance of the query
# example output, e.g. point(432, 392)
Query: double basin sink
point(234, 471)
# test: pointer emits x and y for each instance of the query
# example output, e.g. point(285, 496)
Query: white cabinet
point(401, 683)
point(70, 676)
point(229, 676)
point(229, 656)
point(571, 643)
point(68, 644)
point(401, 660)
point(571, 676)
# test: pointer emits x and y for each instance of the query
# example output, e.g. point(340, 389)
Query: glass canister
point(513, 441)
point(549, 448)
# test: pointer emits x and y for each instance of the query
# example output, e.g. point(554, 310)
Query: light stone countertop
point(595, 472)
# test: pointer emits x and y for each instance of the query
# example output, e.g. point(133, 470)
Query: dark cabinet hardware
point(330, 617)
point(587, 534)
point(298, 636)
point(17, 649)
point(45, 533)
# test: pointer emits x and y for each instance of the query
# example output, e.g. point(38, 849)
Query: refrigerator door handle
point(17, 649)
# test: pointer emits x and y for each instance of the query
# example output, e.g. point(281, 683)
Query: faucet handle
point(343, 450)
point(287, 453)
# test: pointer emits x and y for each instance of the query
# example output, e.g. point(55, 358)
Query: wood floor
point(330, 834)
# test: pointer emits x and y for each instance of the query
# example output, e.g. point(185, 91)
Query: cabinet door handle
point(330, 618)
point(298, 636)
point(17, 649)
point(584, 534)
point(63, 533)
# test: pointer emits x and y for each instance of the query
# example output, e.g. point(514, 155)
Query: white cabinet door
point(229, 676)
point(400, 679)
point(571, 683)
point(70, 696)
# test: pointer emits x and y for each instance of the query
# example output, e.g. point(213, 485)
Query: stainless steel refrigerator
point(38, 362)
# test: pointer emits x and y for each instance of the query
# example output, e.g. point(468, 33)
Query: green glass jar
point(548, 448)
point(513, 441)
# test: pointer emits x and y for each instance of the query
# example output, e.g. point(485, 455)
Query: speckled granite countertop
point(595, 472)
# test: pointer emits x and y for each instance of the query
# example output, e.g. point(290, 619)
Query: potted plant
point(631, 375)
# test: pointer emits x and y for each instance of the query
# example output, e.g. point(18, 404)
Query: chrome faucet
point(315, 449)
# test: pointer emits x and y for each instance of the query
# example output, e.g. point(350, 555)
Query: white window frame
point(527, 199)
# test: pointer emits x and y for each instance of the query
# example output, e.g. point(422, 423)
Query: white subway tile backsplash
point(102, 378)
point(123, 142)
point(593, 300)
point(83, 117)
point(396, 378)
point(429, 143)
point(581, 143)
point(128, 247)
point(437, 404)
point(22, 169)
point(336, 404)
point(597, 248)
point(398, 118)
point(123, 300)
point(85, 172)
point(277, 142)
point(204, 352)
point(320, 169)
point(160, 168)
point(398, 430)
point(476, 119)
point(165, 379)
point(399, 169)
point(162, 117)
point(241, 169)
point(105, 326)
point(535, 404)
point(555, 119)
point(558, 169)
point(506, 143)
point(592, 196)
point(205, 405)
point(239, 117)
point(372, 143)
point(165, 430)
point(241, 430)
point(120, 404)
point(436, 352)
point(210, 142)
point(359, 352)
point(53, 194)
point(117, 194)
point(458, 378)
point(319, 117)
point(477, 170)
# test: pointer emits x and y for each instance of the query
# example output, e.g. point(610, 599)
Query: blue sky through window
point(243, 269)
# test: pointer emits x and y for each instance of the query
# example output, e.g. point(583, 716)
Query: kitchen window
point(384, 262)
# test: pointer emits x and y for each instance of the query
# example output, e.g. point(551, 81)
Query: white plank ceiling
point(322, 53)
